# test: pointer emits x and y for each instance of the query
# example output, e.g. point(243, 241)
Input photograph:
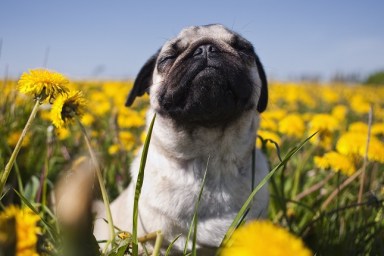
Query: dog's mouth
point(206, 71)
point(206, 93)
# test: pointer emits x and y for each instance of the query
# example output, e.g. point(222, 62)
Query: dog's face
point(206, 76)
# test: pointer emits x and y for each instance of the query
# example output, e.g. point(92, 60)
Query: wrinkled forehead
point(190, 34)
point(213, 31)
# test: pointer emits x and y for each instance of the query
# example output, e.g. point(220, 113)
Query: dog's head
point(206, 76)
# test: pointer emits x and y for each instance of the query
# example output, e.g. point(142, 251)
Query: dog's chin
point(209, 98)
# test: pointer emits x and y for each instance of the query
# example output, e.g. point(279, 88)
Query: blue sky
point(112, 39)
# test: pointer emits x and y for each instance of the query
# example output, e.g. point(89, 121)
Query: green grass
point(322, 207)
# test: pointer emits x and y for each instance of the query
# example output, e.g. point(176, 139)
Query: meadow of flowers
point(326, 199)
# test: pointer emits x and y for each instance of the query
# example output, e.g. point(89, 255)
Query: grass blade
point(171, 245)
point(245, 207)
point(139, 184)
point(194, 218)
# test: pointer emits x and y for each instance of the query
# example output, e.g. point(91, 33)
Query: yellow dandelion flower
point(354, 144)
point(8, 91)
point(116, 91)
point(87, 119)
point(378, 129)
point(268, 135)
point(266, 239)
point(329, 95)
point(376, 150)
point(14, 137)
point(124, 235)
point(359, 127)
point(277, 114)
point(127, 140)
point(95, 134)
point(307, 116)
point(378, 112)
point(66, 107)
point(129, 118)
point(43, 84)
point(296, 95)
point(323, 122)
point(113, 149)
point(335, 161)
point(63, 133)
point(351, 143)
point(323, 139)
point(101, 103)
point(143, 136)
point(292, 125)
point(26, 229)
point(339, 112)
point(360, 104)
point(325, 125)
point(143, 112)
point(269, 125)
point(270, 119)
point(45, 114)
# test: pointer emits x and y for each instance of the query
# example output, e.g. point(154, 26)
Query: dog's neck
point(235, 141)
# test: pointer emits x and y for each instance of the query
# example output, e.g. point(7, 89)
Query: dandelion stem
point(101, 183)
point(157, 247)
point(17, 148)
point(148, 237)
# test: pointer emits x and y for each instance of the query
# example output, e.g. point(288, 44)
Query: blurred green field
point(315, 196)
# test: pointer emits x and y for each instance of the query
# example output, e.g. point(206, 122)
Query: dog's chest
point(173, 188)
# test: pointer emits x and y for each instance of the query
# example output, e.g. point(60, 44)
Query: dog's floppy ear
point(143, 80)
point(263, 99)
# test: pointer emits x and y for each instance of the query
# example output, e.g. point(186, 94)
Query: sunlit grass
point(314, 195)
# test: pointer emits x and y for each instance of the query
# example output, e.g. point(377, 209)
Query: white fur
point(173, 176)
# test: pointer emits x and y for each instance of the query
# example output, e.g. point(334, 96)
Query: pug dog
point(207, 87)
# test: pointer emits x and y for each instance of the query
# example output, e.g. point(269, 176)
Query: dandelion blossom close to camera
point(43, 84)
point(25, 227)
point(67, 107)
point(264, 238)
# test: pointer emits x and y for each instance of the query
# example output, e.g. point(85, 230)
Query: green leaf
point(139, 184)
point(120, 250)
point(31, 188)
point(171, 245)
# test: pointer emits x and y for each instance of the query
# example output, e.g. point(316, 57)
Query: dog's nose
point(205, 50)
